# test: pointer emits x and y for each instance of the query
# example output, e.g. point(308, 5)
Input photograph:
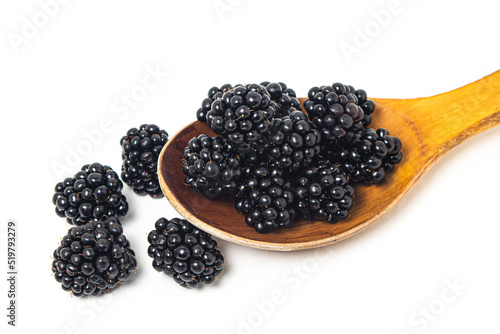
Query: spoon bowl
point(428, 128)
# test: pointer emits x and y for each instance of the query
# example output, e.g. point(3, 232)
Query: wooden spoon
point(428, 127)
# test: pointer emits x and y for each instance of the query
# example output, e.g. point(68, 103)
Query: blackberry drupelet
point(95, 192)
point(284, 97)
point(323, 192)
point(265, 198)
point(94, 258)
point(211, 166)
point(213, 94)
point(335, 112)
point(242, 115)
point(140, 150)
point(292, 142)
point(371, 156)
point(184, 252)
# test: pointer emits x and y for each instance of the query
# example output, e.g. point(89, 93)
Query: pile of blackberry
point(211, 166)
point(94, 258)
point(292, 161)
point(184, 252)
point(140, 151)
point(265, 198)
point(95, 192)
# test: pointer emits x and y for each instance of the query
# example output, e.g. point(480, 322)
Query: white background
point(72, 71)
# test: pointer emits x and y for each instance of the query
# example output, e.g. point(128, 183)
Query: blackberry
point(242, 115)
point(284, 97)
point(95, 192)
point(265, 198)
point(140, 150)
point(213, 94)
point(211, 166)
point(372, 155)
point(334, 110)
point(184, 252)
point(292, 142)
point(94, 258)
point(323, 192)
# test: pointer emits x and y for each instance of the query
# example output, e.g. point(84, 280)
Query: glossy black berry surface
point(367, 105)
point(292, 142)
point(242, 115)
point(370, 157)
point(284, 97)
point(323, 192)
point(184, 252)
point(266, 198)
point(213, 94)
point(94, 258)
point(95, 192)
point(212, 166)
point(336, 112)
point(141, 148)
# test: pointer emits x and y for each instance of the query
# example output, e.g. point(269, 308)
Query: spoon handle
point(445, 120)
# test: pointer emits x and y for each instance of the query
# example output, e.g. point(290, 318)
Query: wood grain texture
point(428, 128)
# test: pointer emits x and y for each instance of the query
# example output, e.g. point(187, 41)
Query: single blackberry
point(95, 192)
point(213, 94)
point(184, 252)
point(323, 192)
point(211, 166)
point(335, 112)
point(94, 258)
point(242, 115)
point(292, 141)
point(265, 198)
point(284, 97)
point(371, 155)
point(140, 150)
